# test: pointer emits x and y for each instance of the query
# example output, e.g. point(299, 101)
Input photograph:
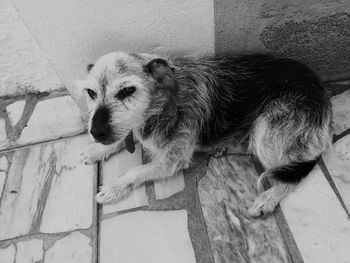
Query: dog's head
point(118, 89)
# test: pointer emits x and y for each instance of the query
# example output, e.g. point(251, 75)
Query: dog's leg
point(120, 187)
point(100, 152)
point(266, 202)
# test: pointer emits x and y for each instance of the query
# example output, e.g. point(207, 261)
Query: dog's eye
point(92, 94)
point(125, 92)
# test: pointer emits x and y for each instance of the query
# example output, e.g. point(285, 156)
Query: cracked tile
point(317, 221)
point(145, 236)
point(341, 111)
point(74, 248)
point(15, 111)
point(168, 187)
point(226, 192)
point(337, 160)
point(47, 189)
point(29, 251)
point(52, 119)
point(117, 166)
point(7, 255)
point(24, 67)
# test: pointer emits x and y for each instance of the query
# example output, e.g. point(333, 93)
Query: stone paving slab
point(226, 192)
point(145, 236)
point(36, 120)
point(317, 220)
point(46, 190)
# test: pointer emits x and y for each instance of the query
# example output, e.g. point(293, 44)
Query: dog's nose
point(100, 128)
point(99, 134)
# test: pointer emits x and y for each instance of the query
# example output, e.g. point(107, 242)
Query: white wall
point(74, 33)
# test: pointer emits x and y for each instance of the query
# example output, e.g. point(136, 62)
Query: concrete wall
point(74, 33)
point(316, 32)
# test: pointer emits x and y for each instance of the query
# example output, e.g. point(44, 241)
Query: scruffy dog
point(176, 106)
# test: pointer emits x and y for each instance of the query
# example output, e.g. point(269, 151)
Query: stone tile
point(52, 119)
point(317, 221)
point(226, 192)
point(47, 189)
point(341, 111)
point(7, 255)
point(29, 251)
point(337, 160)
point(2, 181)
point(3, 136)
point(15, 111)
point(24, 67)
point(3, 163)
point(168, 187)
point(144, 236)
point(74, 248)
point(116, 166)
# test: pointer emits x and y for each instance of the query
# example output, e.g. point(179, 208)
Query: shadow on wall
point(317, 32)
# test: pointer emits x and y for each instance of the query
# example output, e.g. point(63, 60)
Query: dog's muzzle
point(100, 128)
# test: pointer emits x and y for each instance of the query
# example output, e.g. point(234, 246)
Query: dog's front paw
point(93, 154)
point(112, 192)
point(263, 205)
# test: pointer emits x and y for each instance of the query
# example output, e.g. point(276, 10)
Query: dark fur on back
point(243, 87)
point(220, 99)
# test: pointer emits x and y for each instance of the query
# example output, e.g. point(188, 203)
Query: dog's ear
point(162, 73)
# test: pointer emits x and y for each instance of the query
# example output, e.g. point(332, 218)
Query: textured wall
point(74, 33)
point(316, 32)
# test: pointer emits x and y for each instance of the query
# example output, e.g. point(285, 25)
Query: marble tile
point(317, 221)
point(3, 163)
point(337, 161)
point(47, 189)
point(69, 203)
point(145, 236)
point(29, 251)
point(116, 166)
point(3, 136)
point(2, 181)
point(168, 187)
point(52, 119)
point(7, 255)
point(15, 111)
point(74, 248)
point(24, 67)
point(341, 111)
point(226, 192)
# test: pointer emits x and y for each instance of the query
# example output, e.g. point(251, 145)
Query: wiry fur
point(181, 105)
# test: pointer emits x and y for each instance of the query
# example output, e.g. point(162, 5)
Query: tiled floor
point(48, 214)
point(47, 208)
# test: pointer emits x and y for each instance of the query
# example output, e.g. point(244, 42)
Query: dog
point(178, 105)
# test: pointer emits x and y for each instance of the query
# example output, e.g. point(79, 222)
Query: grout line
point(341, 135)
point(282, 223)
point(95, 213)
point(333, 186)
point(29, 145)
point(99, 211)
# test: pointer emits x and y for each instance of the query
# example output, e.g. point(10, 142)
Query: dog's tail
point(291, 173)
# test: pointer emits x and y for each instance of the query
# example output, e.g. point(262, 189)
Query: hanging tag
point(129, 142)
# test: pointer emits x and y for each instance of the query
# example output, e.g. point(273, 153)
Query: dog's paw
point(263, 205)
point(112, 192)
point(93, 154)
